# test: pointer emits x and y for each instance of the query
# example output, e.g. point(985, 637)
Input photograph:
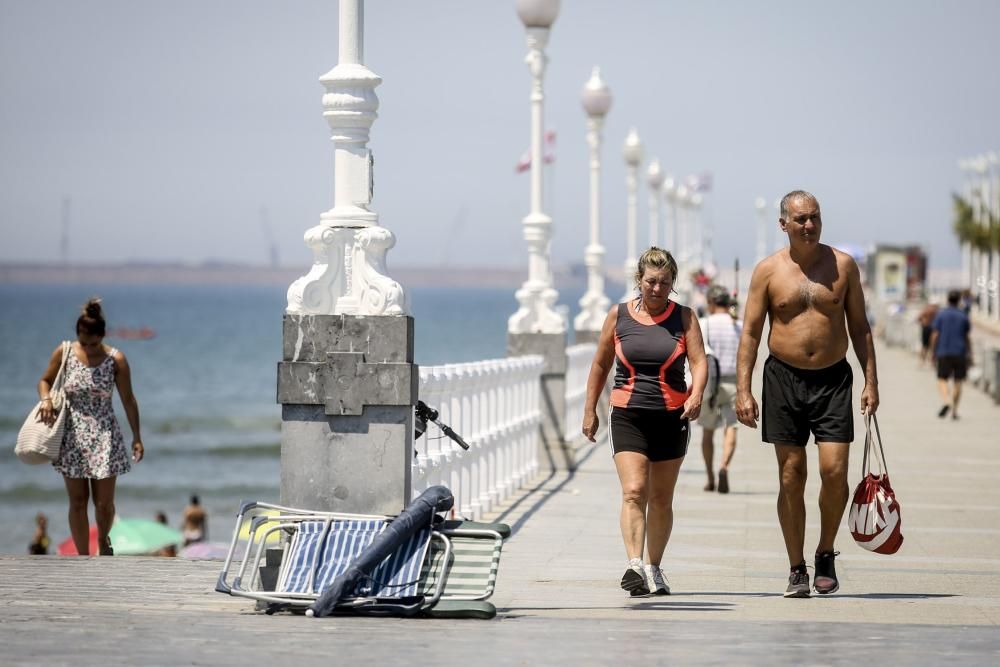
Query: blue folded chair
point(445, 570)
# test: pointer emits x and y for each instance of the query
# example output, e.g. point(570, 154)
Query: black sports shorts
point(952, 366)
point(798, 401)
point(925, 336)
point(659, 434)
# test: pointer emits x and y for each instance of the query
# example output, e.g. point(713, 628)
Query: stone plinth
point(347, 385)
point(555, 452)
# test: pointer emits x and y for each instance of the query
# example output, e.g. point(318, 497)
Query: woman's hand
point(590, 424)
point(692, 407)
point(137, 451)
point(46, 413)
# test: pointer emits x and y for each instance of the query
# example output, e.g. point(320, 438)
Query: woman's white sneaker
point(634, 579)
point(657, 580)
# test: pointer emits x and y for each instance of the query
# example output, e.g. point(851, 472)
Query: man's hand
point(746, 409)
point(590, 424)
point(869, 399)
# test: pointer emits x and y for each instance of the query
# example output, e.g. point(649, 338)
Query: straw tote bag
point(37, 442)
point(875, 519)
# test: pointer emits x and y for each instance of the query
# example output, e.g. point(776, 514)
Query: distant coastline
point(216, 273)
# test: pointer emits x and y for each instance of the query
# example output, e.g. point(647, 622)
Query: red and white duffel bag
point(875, 519)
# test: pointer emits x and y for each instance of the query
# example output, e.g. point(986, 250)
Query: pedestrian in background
point(721, 332)
point(926, 320)
point(952, 351)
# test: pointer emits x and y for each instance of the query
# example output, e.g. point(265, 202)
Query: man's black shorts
point(799, 401)
point(659, 434)
point(948, 367)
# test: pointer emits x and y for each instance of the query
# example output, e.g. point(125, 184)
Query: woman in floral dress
point(93, 451)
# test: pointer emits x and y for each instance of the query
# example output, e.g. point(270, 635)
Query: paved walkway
point(937, 600)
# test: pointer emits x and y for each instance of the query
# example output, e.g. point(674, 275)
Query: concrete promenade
point(936, 601)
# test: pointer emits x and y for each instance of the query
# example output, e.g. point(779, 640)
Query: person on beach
point(650, 336)
point(721, 332)
point(93, 452)
point(195, 525)
point(808, 291)
point(40, 541)
point(952, 352)
point(170, 550)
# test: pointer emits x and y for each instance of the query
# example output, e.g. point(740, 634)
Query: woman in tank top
point(650, 337)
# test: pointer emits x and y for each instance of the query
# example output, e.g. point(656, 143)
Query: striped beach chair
point(449, 570)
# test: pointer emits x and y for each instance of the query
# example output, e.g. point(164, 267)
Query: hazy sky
point(176, 127)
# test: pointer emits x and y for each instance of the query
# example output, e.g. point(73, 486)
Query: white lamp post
point(633, 157)
point(682, 197)
point(779, 239)
point(654, 177)
point(994, 206)
point(965, 166)
point(696, 202)
point(537, 296)
point(349, 274)
point(669, 189)
point(760, 205)
point(594, 304)
point(980, 166)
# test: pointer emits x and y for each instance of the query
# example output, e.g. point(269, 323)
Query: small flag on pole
point(700, 182)
point(548, 150)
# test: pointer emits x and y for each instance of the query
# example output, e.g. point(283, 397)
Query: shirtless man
point(809, 291)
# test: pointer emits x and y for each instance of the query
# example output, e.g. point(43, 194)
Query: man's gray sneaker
point(826, 574)
point(798, 582)
point(634, 579)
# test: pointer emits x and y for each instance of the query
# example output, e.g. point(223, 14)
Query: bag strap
point(67, 348)
point(873, 443)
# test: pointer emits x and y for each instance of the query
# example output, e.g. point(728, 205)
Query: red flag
point(548, 153)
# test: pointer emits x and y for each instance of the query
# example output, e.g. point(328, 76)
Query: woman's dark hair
point(91, 320)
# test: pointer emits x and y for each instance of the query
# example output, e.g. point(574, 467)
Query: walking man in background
point(721, 334)
point(952, 352)
point(808, 291)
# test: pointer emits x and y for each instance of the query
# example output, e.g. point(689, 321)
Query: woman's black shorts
point(661, 435)
point(798, 401)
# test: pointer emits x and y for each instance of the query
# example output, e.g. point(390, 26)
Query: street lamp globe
point(596, 95)
point(760, 204)
point(669, 186)
point(537, 13)
point(654, 174)
point(633, 148)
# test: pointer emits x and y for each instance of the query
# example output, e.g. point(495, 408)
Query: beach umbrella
point(130, 537)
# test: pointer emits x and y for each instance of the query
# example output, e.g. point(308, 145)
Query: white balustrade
point(494, 406)
point(578, 359)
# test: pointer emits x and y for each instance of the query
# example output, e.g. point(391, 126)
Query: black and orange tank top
point(650, 360)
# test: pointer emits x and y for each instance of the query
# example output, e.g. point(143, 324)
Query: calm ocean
point(205, 385)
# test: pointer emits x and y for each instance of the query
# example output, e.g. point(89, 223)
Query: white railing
point(494, 406)
point(578, 359)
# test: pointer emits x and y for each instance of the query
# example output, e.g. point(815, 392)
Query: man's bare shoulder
point(844, 261)
point(769, 265)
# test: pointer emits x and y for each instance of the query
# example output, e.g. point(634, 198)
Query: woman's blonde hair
point(656, 258)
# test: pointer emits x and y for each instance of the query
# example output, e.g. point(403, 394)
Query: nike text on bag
point(875, 520)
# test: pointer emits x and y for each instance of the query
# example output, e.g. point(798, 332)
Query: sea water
point(205, 385)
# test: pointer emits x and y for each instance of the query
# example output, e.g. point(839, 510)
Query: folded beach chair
point(447, 569)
